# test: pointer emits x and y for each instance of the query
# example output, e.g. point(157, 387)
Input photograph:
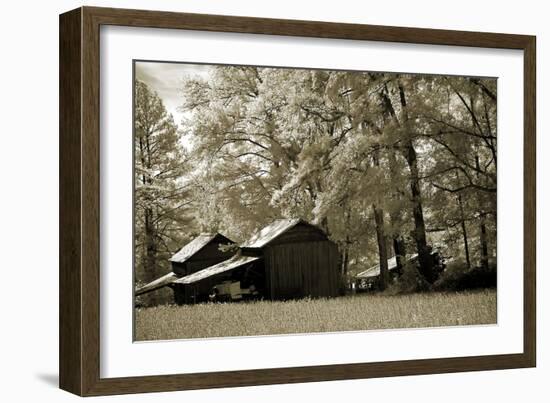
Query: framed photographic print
point(249, 201)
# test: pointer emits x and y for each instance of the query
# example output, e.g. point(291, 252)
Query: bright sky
point(165, 78)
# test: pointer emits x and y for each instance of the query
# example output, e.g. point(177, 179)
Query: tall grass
point(360, 312)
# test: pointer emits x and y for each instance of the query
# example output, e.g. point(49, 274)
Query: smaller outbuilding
point(368, 279)
point(201, 252)
point(205, 250)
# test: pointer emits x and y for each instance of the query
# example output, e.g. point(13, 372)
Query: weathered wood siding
point(179, 268)
point(300, 233)
point(302, 269)
point(208, 256)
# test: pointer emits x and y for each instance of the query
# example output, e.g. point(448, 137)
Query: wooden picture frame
point(80, 184)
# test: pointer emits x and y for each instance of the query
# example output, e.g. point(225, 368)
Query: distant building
point(290, 258)
point(368, 279)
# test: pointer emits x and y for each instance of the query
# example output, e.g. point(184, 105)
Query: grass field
point(360, 312)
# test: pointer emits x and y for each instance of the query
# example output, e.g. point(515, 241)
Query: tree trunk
point(463, 225)
point(464, 233)
point(419, 233)
point(424, 251)
point(150, 253)
point(395, 218)
point(347, 242)
point(400, 252)
point(344, 269)
point(484, 250)
point(382, 248)
point(345, 262)
point(399, 248)
point(483, 243)
point(324, 225)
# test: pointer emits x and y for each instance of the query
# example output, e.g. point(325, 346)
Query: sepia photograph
point(289, 200)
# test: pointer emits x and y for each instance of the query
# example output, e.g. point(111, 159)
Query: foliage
point(411, 281)
point(160, 192)
point(457, 277)
point(328, 145)
point(387, 164)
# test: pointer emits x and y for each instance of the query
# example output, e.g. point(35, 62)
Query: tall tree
point(465, 133)
point(160, 196)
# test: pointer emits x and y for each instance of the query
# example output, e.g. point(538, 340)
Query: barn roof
point(229, 264)
point(270, 232)
point(156, 284)
point(374, 271)
point(194, 246)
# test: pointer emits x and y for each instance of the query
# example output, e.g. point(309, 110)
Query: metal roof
point(374, 271)
point(229, 264)
point(158, 283)
point(270, 232)
point(193, 247)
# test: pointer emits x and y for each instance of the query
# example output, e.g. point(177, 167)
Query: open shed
point(203, 251)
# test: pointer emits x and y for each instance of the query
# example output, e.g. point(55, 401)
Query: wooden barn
point(287, 259)
point(203, 251)
point(299, 260)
